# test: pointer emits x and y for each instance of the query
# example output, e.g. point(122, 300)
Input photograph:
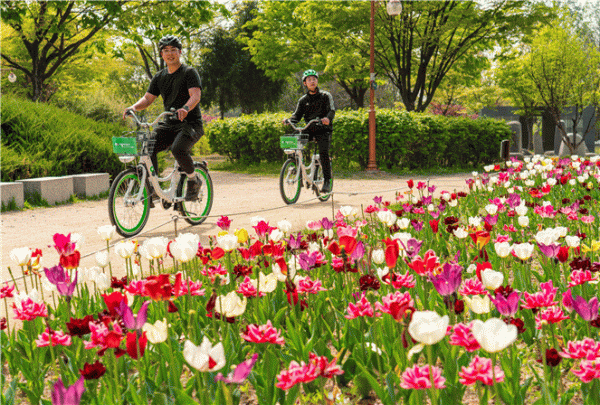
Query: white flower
point(387, 217)
point(284, 226)
point(227, 242)
point(461, 232)
point(125, 249)
point(472, 268)
point(491, 209)
point(157, 332)
point(255, 220)
point(107, 232)
point(314, 246)
point(276, 235)
point(21, 256)
point(156, 247)
point(102, 281)
point(475, 222)
point(523, 250)
point(403, 223)
point(428, 327)
point(184, 249)
point(523, 221)
point(78, 240)
point(502, 249)
point(491, 279)
point(546, 236)
point(347, 210)
point(264, 283)
point(199, 357)
point(402, 237)
point(478, 304)
point(493, 335)
point(230, 305)
point(378, 256)
point(382, 272)
point(572, 241)
point(102, 259)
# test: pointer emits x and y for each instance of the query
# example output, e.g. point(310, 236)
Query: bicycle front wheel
point(195, 212)
point(128, 215)
point(289, 184)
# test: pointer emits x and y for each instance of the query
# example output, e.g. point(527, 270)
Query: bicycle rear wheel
point(196, 212)
point(289, 184)
point(127, 215)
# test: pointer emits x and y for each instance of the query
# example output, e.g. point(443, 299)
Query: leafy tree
point(418, 48)
point(565, 71)
point(328, 36)
point(45, 35)
point(229, 77)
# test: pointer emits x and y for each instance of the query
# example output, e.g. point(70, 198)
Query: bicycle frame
point(144, 165)
point(307, 172)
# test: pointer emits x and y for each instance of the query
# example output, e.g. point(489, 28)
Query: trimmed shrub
point(404, 140)
point(40, 140)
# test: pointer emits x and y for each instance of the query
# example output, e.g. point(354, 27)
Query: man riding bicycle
point(180, 87)
point(317, 103)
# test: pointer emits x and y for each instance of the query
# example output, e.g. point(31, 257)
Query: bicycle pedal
point(166, 204)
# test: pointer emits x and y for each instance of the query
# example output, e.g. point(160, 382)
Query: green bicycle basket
point(293, 141)
point(125, 145)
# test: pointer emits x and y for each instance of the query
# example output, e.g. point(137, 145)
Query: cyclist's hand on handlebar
point(286, 121)
point(181, 114)
point(325, 121)
point(128, 111)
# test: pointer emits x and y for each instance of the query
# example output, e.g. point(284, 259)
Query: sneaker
point(326, 186)
point(193, 188)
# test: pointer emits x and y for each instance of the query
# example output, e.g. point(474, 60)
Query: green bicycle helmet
point(169, 40)
point(309, 72)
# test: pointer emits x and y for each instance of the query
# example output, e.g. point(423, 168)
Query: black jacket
point(318, 105)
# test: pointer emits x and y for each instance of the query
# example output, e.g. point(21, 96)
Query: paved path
point(238, 196)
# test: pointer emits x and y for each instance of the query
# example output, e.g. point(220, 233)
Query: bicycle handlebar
point(131, 113)
point(308, 124)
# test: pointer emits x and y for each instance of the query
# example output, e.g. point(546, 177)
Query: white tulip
point(102, 282)
point(227, 242)
point(461, 233)
point(125, 249)
point(387, 217)
point(493, 335)
point(378, 256)
point(199, 356)
point(403, 223)
point(491, 279)
point(428, 327)
point(21, 256)
point(523, 250)
point(572, 241)
point(284, 226)
point(157, 332)
point(107, 232)
point(156, 247)
point(230, 305)
point(491, 209)
point(478, 304)
point(502, 249)
point(102, 259)
point(523, 221)
point(276, 235)
point(264, 283)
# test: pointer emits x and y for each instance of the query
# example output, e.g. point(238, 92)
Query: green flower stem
point(432, 391)
point(545, 366)
point(496, 390)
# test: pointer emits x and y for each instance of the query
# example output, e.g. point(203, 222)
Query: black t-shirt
point(173, 87)
point(318, 105)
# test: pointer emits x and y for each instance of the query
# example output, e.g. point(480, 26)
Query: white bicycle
point(294, 172)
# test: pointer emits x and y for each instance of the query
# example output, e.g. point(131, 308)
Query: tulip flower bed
point(491, 294)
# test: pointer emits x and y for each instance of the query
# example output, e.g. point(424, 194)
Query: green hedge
point(404, 140)
point(40, 140)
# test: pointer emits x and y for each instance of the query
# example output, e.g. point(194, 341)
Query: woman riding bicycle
point(317, 103)
point(180, 87)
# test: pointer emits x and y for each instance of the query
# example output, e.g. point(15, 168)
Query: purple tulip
point(307, 261)
point(567, 300)
point(241, 372)
point(326, 223)
point(67, 396)
point(133, 322)
point(491, 219)
point(56, 274)
point(513, 200)
point(377, 200)
point(412, 247)
point(507, 306)
point(587, 310)
point(295, 242)
point(549, 250)
point(418, 225)
point(447, 282)
point(65, 288)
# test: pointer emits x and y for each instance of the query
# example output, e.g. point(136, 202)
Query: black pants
point(180, 137)
point(323, 142)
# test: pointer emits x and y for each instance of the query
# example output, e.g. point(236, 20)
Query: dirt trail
point(238, 196)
